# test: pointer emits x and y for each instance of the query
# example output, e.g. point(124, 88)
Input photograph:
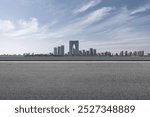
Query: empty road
point(52, 80)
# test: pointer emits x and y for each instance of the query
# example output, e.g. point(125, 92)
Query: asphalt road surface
point(74, 80)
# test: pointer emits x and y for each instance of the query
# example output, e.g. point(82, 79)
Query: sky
point(37, 26)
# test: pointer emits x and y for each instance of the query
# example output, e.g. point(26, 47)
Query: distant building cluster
point(59, 51)
point(90, 52)
point(135, 53)
point(74, 51)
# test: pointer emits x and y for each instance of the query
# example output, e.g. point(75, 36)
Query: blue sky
point(107, 25)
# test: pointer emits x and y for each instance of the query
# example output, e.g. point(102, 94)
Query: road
point(55, 80)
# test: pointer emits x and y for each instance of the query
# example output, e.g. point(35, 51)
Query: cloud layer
point(104, 28)
point(86, 6)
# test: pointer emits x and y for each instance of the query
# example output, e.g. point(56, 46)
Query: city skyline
point(75, 50)
point(106, 25)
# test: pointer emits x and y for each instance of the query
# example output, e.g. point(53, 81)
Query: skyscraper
point(87, 53)
point(59, 50)
point(55, 51)
point(94, 52)
point(73, 47)
point(62, 50)
point(122, 53)
point(84, 52)
point(91, 51)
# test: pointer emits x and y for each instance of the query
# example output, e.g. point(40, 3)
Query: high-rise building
point(59, 50)
point(91, 51)
point(130, 54)
point(122, 53)
point(62, 50)
point(140, 53)
point(55, 51)
point(126, 53)
point(87, 53)
point(94, 52)
point(135, 53)
point(73, 47)
point(80, 53)
point(84, 52)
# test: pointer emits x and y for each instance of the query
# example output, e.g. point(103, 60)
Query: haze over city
point(38, 26)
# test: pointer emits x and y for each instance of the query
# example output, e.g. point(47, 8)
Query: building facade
point(55, 51)
point(74, 48)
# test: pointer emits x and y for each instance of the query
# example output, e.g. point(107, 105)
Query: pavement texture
point(58, 80)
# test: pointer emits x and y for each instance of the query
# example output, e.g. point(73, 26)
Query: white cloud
point(141, 9)
point(121, 31)
point(119, 18)
point(95, 16)
point(26, 27)
point(86, 6)
point(78, 25)
point(32, 24)
point(6, 25)
point(27, 30)
point(16, 30)
point(118, 31)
